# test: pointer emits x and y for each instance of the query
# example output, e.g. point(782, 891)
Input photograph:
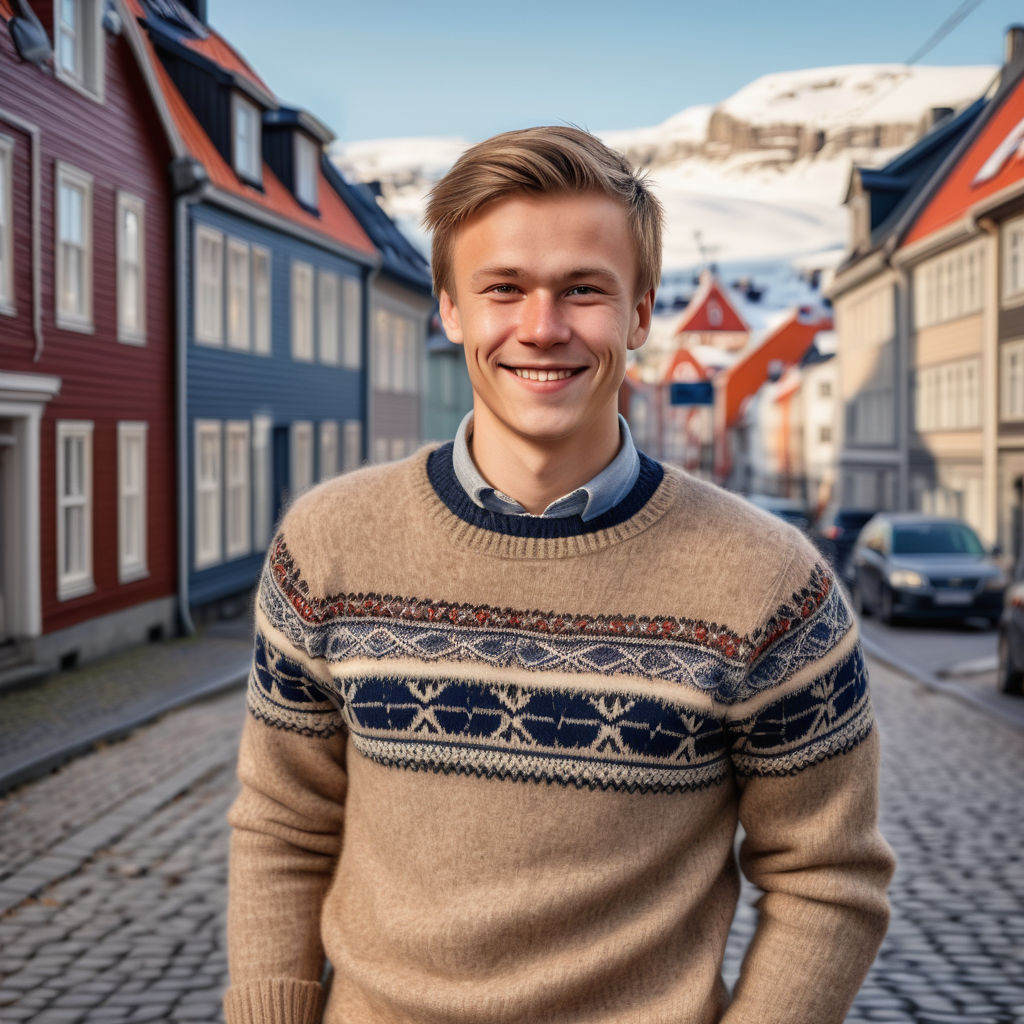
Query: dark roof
point(401, 258)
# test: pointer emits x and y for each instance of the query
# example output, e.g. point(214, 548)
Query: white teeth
point(542, 374)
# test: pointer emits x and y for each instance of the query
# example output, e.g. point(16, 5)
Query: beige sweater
point(494, 766)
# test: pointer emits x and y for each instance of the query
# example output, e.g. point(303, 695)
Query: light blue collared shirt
point(589, 501)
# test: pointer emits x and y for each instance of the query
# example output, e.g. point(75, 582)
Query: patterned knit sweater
point(494, 765)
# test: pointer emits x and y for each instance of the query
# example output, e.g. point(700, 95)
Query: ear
point(450, 317)
point(641, 321)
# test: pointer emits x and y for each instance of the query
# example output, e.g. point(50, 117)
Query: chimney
point(938, 114)
point(1014, 44)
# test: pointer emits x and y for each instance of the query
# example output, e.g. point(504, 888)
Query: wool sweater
point(495, 766)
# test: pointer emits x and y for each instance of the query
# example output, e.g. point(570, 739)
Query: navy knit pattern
point(441, 471)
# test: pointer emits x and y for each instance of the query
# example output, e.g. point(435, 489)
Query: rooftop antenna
point(706, 251)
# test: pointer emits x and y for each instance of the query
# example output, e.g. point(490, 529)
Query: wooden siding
point(208, 99)
point(119, 144)
point(956, 339)
point(225, 384)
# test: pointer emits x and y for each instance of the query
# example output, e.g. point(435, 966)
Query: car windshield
point(935, 539)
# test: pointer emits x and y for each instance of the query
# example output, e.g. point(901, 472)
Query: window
point(131, 501)
point(327, 293)
point(353, 444)
point(262, 428)
point(307, 162)
point(947, 396)
point(824, 389)
point(78, 45)
point(1013, 259)
point(824, 434)
point(352, 323)
point(74, 509)
point(302, 311)
point(207, 493)
point(380, 449)
point(74, 248)
point(302, 457)
point(238, 294)
point(261, 300)
point(237, 511)
point(1011, 381)
point(131, 281)
point(949, 286)
point(246, 135)
point(6, 224)
point(328, 450)
point(209, 286)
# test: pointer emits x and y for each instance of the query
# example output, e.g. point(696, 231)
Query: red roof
point(6, 10)
point(710, 310)
point(992, 163)
point(684, 367)
point(336, 222)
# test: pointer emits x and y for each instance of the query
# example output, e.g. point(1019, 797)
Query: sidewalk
point(47, 724)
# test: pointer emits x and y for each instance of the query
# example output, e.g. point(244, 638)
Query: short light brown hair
point(550, 160)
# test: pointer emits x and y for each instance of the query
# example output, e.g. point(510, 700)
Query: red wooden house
point(87, 471)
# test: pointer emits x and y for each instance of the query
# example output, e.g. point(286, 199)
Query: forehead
point(545, 232)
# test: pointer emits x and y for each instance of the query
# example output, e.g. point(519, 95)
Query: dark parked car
point(1011, 636)
point(836, 532)
point(907, 565)
point(785, 508)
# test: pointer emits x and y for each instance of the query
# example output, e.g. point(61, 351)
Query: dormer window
point(78, 50)
point(247, 146)
point(307, 161)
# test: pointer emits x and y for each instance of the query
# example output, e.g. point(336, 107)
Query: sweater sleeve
point(805, 756)
point(286, 823)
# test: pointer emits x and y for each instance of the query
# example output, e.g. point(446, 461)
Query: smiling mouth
point(542, 375)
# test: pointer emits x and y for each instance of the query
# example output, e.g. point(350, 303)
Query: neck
point(537, 472)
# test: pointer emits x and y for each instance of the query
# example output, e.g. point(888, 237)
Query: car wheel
point(1010, 679)
point(885, 612)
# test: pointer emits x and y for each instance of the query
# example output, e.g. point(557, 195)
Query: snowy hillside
point(755, 180)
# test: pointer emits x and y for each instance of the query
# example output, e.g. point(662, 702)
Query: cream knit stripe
point(316, 668)
point(276, 1000)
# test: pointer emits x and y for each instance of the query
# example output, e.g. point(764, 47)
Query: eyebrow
point(515, 273)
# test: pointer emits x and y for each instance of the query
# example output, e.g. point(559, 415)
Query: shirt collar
point(592, 499)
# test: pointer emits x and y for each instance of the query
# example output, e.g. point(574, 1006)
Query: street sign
point(695, 393)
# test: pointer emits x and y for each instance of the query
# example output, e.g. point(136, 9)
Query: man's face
point(544, 303)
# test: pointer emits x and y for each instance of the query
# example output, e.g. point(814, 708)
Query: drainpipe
point(369, 281)
point(37, 267)
point(189, 183)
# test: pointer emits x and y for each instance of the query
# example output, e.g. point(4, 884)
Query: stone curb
point(42, 761)
point(1012, 716)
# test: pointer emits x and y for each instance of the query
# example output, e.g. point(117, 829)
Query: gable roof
point(711, 310)
point(992, 161)
point(336, 223)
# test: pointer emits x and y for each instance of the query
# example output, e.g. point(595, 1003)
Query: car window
point(935, 539)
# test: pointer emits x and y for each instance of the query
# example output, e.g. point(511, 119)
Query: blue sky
point(471, 68)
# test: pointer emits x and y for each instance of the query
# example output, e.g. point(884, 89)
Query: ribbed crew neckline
point(533, 536)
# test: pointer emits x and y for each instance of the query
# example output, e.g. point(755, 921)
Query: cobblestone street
point(114, 870)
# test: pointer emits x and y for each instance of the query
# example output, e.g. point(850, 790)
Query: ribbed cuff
point(274, 1001)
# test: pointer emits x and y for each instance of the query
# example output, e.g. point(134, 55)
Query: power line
point(944, 29)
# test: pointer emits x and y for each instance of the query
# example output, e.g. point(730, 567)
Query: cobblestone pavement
point(133, 930)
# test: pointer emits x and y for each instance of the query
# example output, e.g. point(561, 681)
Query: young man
point(512, 696)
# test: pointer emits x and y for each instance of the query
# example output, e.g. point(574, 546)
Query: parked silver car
point(908, 565)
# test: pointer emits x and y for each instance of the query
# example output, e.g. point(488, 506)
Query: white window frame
point(302, 311)
point(132, 564)
point(75, 580)
point(351, 323)
point(131, 334)
point(77, 318)
point(328, 319)
point(1013, 261)
point(207, 492)
point(87, 38)
point(208, 288)
point(302, 477)
point(262, 475)
point(7, 225)
point(352, 457)
point(238, 272)
point(237, 489)
point(246, 152)
point(328, 450)
point(261, 300)
point(1011, 381)
point(307, 167)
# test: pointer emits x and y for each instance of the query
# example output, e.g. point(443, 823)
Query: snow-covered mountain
point(753, 181)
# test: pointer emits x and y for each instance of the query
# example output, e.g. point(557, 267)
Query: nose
point(541, 322)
